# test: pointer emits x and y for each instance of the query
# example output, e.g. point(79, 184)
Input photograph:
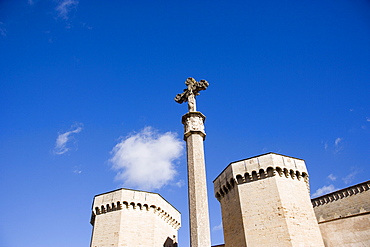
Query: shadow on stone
point(169, 243)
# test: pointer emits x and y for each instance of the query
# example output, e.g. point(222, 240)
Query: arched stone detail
point(298, 175)
point(106, 208)
point(218, 196)
point(167, 218)
point(228, 186)
point(247, 177)
point(270, 171)
point(163, 214)
point(225, 189)
point(340, 194)
point(279, 171)
point(239, 179)
point(232, 182)
point(97, 210)
point(286, 172)
point(261, 174)
point(157, 211)
point(152, 208)
point(254, 176)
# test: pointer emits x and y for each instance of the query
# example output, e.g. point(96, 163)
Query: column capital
point(193, 124)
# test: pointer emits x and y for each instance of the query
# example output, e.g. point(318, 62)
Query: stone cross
point(194, 135)
point(192, 90)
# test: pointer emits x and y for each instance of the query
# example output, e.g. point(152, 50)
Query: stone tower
point(265, 202)
point(126, 217)
point(194, 136)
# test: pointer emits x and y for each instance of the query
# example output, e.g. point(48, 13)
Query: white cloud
point(145, 160)
point(217, 228)
point(325, 144)
point(338, 144)
point(64, 8)
point(368, 119)
point(338, 140)
point(350, 177)
point(324, 190)
point(64, 138)
point(180, 183)
point(332, 177)
point(31, 2)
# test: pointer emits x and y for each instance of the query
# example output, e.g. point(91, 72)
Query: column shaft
point(198, 200)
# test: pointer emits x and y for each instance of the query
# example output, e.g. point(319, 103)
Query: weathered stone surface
point(265, 202)
point(133, 218)
point(198, 199)
point(344, 216)
point(192, 90)
point(194, 124)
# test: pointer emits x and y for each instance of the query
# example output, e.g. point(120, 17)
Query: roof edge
point(253, 158)
point(136, 191)
point(340, 190)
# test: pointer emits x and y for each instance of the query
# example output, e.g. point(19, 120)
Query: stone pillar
point(194, 136)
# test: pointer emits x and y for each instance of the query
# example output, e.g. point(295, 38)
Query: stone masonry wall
point(263, 216)
point(233, 226)
point(133, 218)
point(344, 216)
point(274, 204)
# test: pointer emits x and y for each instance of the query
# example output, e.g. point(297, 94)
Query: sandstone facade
point(344, 216)
point(133, 218)
point(265, 202)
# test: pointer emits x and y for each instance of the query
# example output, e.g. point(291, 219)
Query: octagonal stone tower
point(265, 202)
point(126, 217)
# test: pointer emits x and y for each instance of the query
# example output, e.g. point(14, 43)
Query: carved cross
point(192, 90)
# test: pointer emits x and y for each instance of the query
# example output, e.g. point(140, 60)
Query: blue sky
point(84, 81)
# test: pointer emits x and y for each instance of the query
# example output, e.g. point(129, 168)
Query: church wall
point(344, 216)
point(351, 231)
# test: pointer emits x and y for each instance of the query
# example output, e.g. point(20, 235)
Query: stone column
point(194, 136)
